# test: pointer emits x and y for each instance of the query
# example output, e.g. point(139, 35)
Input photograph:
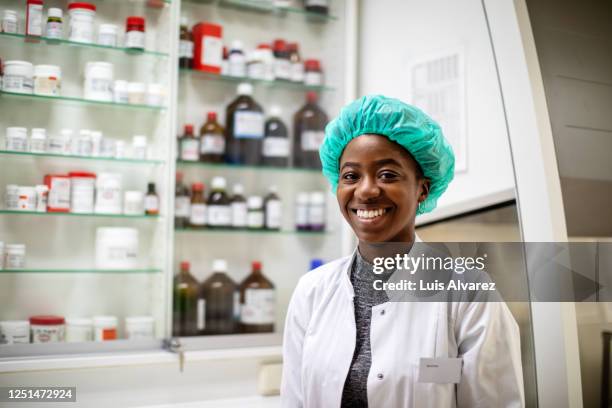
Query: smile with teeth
point(370, 214)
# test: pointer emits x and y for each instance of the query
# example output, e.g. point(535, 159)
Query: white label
point(282, 68)
point(316, 215)
point(16, 144)
point(248, 124)
point(213, 51)
point(197, 214)
point(256, 70)
point(107, 39)
point(189, 149)
point(59, 194)
point(236, 314)
point(201, 314)
point(135, 39)
point(255, 219)
point(17, 83)
point(47, 334)
point(151, 203)
point(181, 206)
point(81, 29)
point(212, 144)
point(313, 79)
point(239, 214)
point(14, 261)
point(311, 140)
point(54, 30)
point(9, 26)
point(258, 307)
point(237, 65)
point(186, 49)
point(297, 72)
point(273, 214)
point(301, 215)
point(35, 12)
point(219, 215)
point(276, 147)
point(38, 145)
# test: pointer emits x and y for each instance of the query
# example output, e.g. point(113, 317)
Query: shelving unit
point(75, 100)
point(70, 214)
point(80, 271)
point(40, 156)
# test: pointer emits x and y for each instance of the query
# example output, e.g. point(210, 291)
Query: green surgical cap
point(402, 123)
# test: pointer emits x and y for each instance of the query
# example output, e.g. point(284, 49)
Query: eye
point(349, 176)
point(388, 175)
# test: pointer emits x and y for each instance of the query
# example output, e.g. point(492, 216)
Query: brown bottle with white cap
point(257, 302)
point(219, 302)
point(245, 128)
point(309, 131)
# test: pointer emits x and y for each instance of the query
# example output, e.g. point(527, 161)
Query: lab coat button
point(380, 376)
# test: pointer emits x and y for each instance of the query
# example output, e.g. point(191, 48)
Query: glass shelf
point(51, 42)
point(268, 7)
point(294, 86)
point(88, 271)
point(71, 156)
point(226, 166)
point(250, 231)
point(83, 101)
point(67, 214)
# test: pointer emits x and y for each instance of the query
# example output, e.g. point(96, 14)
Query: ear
point(424, 185)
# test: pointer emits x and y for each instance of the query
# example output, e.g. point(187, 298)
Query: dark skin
point(379, 189)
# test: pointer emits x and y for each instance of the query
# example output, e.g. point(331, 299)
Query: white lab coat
point(320, 335)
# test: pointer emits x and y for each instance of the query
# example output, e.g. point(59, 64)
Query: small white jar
point(155, 94)
point(60, 143)
point(11, 198)
point(139, 147)
point(105, 328)
point(79, 330)
point(82, 192)
point(18, 77)
point(42, 197)
point(107, 35)
point(96, 143)
point(99, 81)
point(47, 80)
point(81, 22)
point(139, 328)
point(9, 22)
point(137, 93)
point(38, 140)
point(47, 329)
point(107, 148)
point(27, 198)
point(16, 139)
point(15, 332)
point(133, 203)
point(119, 149)
point(120, 91)
point(15, 256)
point(83, 145)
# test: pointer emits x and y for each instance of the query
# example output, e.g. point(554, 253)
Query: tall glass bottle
point(245, 128)
point(220, 296)
point(182, 203)
point(212, 140)
point(309, 131)
point(219, 210)
point(257, 302)
point(275, 150)
point(198, 212)
point(185, 45)
point(185, 303)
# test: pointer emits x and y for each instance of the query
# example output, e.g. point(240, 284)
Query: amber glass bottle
point(257, 302)
point(185, 303)
point(189, 145)
point(197, 213)
point(275, 150)
point(185, 45)
point(245, 128)
point(220, 296)
point(309, 131)
point(182, 203)
point(212, 140)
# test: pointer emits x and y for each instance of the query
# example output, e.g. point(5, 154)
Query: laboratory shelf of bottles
point(70, 214)
point(254, 6)
point(82, 271)
point(79, 101)
point(281, 84)
point(262, 168)
point(78, 157)
point(44, 41)
point(250, 231)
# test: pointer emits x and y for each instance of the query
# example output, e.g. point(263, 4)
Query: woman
point(345, 344)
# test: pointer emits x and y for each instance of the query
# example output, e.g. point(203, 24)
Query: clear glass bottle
point(212, 140)
point(275, 151)
point(245, 128)
point(221, 302)
point(257, 302)
point(185, 303)
point(309, 131)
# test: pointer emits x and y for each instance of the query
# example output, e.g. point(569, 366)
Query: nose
point(367, 189)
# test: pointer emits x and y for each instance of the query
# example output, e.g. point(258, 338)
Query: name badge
point(440, 370)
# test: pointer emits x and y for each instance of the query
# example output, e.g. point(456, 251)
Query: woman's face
point(379, 189)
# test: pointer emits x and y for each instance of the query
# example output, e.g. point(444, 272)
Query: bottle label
point(237, 65)
point(313, 79)
point(219, 215)
point(282, 68)
point(35, 13)
point(108, 39)
point(316, 215)
point(239, 215)
point(213, 51)
point(151, 203)
point(248, 125)
point(201, 314)
point(135, 39)
point(54, 30)
point(255, 219)
point(273, 214)
point(276, 147)
point(259, 306)
point(17, 83)
point(311, 140)
point(181, 206)
point(197, 215)
point(212, 144)
point(16, 144)
point(189, 150)
point(297, 72)
point(301, 215)
point(186, 49)
point(9, 26)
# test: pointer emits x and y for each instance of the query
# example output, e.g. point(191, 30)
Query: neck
point(371, 250)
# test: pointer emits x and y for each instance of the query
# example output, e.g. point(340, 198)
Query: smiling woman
point(346, 344)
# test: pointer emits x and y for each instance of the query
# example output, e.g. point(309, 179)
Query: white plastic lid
point(10, 14)
point(236, 45)
point(219, 265)
point(245, 89)
point(79, 321)
point(39, 133)
point(317, 197)
point(184, 21)
point(85, 133)
point(218, 183)
point(275, 111)
point(133, 195)
point(15, 131)
point(105, 321)
point(14, 324)
point(16, 247)
point(254, 202)
point(238, 189)
point(55, 12)
point(139, 141)
point(18, 63)
point(96, 134)
point(302, 198)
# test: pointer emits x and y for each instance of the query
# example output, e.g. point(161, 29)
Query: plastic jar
point(135, 32)
point(18, 77)
point(15, 256)
point(139, 328)
point(82, 192)
point(96, 143)
point(105, 328)
point(60, 144)
point(133, 203)
point(47, 80)
point(108, 193)
point(9, 22)
point(38, 140)
point(313, 75)
point(107, 35)
point(120, 91)
point(42, 197)
point(139, 147)
point(79, 330)
point(116, 248)
point(14, 332)
point(99, 81)
point(255, 212)
point(83, 145)
point(256, 68)
point(47, 329)
point(137, 93)
point(81, 22)
point(11, 198)
point(27, 198)
point(16, 139)
point(55, 26)
point(119, 149)
point(155, 94)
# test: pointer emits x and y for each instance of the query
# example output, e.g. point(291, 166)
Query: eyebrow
point(377, 162)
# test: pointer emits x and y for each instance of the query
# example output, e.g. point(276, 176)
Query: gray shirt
point(355, 392)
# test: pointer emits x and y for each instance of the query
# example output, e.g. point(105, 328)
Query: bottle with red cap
point(185, 303)
point(297, 66)
point(257, 302)
point(135, 33)
point(198, 215)
point(189, 145)
point(309, 130)
point(212, 140)
point(282, 65)
point(313, 74)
